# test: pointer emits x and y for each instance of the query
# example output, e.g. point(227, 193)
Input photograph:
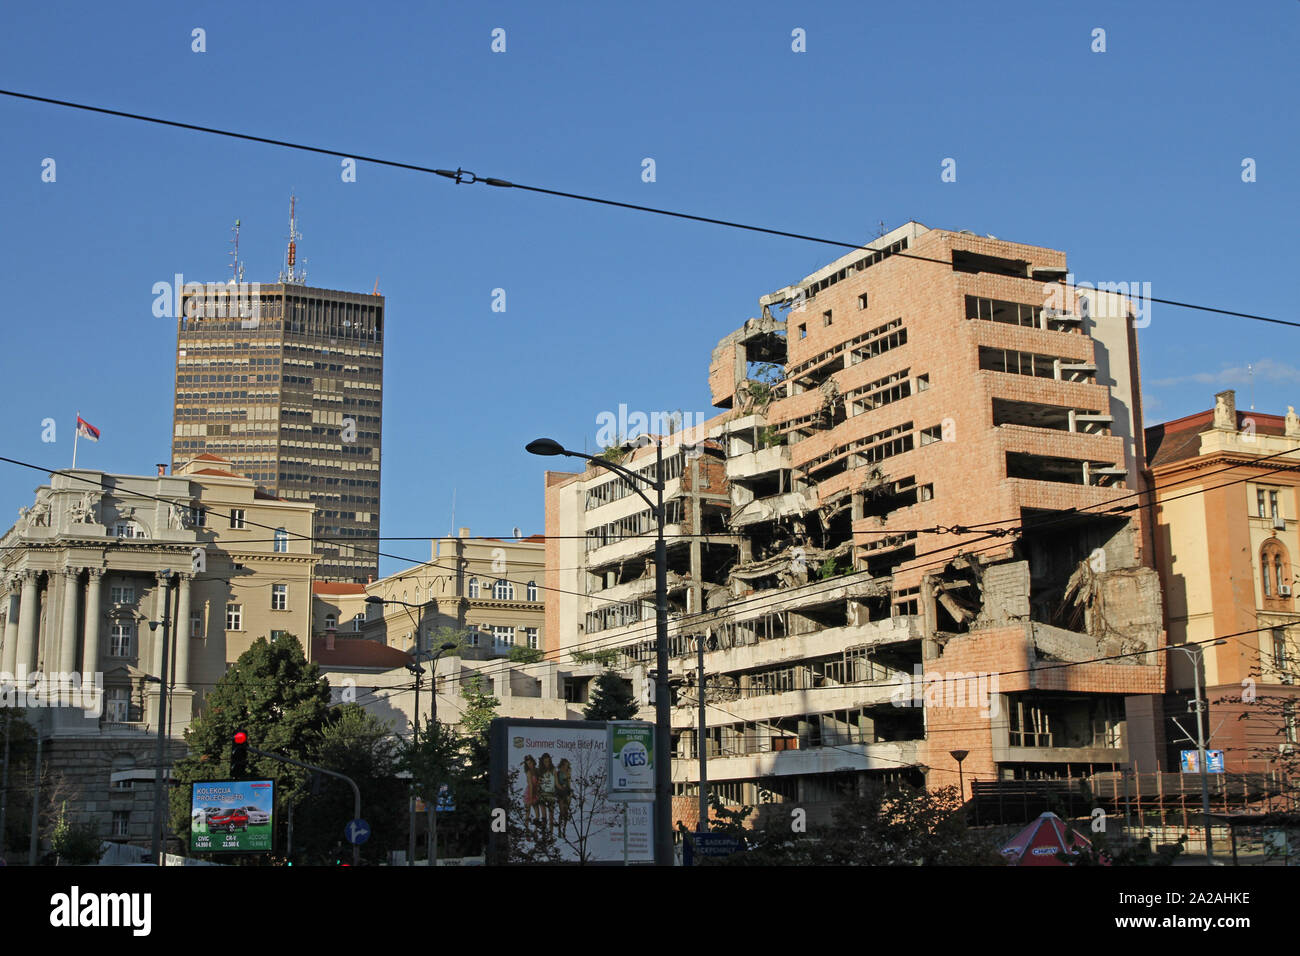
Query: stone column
point(183, 634)
point(11, 629)
point(68, 625)
point(161, 597)
point(29, 615)
point(90, 660)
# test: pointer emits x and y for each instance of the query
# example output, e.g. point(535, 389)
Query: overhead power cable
point(465, 177)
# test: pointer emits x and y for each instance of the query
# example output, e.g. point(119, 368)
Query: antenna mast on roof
point(293, 275)
point(236, 267)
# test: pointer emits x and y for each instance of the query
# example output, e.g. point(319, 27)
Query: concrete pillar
point(67, 658)
point(182, 643)
point(11, 629)
point(28, 616)
point(90, 649)
point(161, 595)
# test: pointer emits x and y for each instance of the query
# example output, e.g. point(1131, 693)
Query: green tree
point(360, 745)
point(895, 826)
point(281, 700)
point(74, 844)
point(611, 699)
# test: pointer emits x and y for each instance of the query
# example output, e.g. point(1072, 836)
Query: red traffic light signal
point(238, 754)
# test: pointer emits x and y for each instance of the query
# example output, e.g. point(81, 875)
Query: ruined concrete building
point(910, 532)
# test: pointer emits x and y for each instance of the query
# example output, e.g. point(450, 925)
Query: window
point(124, 594)
point(279, 635)
point(236, 518)
point(826, 318)
point(128, 529)
point(117, 701)
point(1272, 504)
point(803, 331)
point(1288, 721)
point(931, 435)
point(531, 634)
point(923, 382)
point(532, 590)
point(503, 591)
point(862, 301)
point(503, 636)
point(473, 587)
point(330, 621)
point(1275, 571)
point(121, 823)
point(234, 617)
point(1259, 497)
point(119, 638)
point(281, 541)
point(471, 637)
point(196, 624)
point(279, 597)
point(357, 621)
point(198, 516)
point(1279, 648)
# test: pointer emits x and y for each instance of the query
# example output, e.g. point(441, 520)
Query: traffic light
point(239, 754)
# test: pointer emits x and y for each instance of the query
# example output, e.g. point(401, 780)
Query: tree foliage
point(356, 743)
point(895, 826)
point(280, 699)
point(611, 699)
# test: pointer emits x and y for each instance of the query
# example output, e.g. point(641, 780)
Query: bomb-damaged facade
point(915, 528)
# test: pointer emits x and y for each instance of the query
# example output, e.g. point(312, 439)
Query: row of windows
point(504, 636)
point(502, 590)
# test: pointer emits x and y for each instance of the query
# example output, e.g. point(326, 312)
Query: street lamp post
point(1196, 654)
point(418, 671)
point(156, 824)
point(663, 722)
point(959, 756)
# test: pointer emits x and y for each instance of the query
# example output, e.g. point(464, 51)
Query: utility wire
point(465, 177)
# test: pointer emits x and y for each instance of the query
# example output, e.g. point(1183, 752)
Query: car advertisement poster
point(554, 777)
point(232, 815)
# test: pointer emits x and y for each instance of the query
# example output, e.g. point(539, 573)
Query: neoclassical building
point(89, 572)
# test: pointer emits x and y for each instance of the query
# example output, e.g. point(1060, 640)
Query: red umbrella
point(1038, 843)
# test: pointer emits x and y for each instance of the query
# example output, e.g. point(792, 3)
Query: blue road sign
point(446, 802)
point(358, 831)
point(710, 844)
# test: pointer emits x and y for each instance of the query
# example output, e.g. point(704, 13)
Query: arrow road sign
point(358, 831)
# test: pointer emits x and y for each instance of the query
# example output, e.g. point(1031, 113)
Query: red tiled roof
point(208, 456)
point(337, 587)
point(216, 471)
point(1181, 439)
point(358, 652)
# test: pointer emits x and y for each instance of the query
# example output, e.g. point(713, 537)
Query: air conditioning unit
point(1284, 590)
point(1279, 523)
point(1286, 748)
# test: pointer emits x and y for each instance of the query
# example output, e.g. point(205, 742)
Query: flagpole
point(76, 432)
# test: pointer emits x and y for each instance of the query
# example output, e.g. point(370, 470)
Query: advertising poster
point(233, 815)
point(1191, 761)
point(631, 760)
point(555, 777)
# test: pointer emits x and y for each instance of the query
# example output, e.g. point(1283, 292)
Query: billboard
point(552, 800)
point(1191, 761)
point(631, 749)
point(232, 815)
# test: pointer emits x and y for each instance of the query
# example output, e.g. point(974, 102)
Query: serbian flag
point(87, 430)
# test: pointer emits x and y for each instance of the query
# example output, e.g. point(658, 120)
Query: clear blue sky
point(1130, 160)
